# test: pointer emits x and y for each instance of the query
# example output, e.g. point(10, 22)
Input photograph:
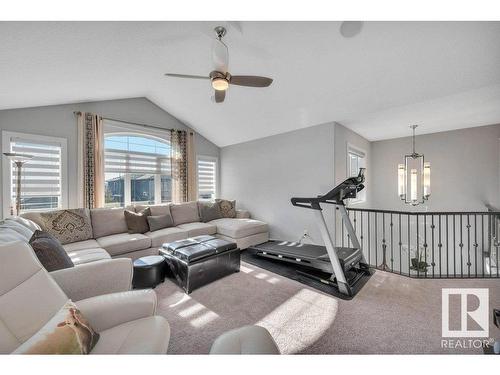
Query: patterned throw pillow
point(68, 225)
point(49, 251)
point(227, 208)
point(68, 332)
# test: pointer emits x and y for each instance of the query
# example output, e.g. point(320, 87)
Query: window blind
point(120, 161)
point(207, 177)
point(41, 177)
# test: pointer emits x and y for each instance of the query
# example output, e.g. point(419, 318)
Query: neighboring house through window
point(44, 180)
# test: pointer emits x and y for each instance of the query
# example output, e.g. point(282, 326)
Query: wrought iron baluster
point(409, 247)
point(418, 252)
point(461, 245)
point(482, 243)
point(440, 245)
point(369, 241)
point(433, 264)
point(400, 245)
point(376, 240)
point(425, 245)
point(447, 246)
point(454, 249)
point(392, 247)
point(475, 244)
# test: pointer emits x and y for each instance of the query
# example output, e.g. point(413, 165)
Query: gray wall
point(60, 121)
point(343, 138)
point(464, 169)
point(263, 175)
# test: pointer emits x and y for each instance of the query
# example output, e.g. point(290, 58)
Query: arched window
point(137, 169)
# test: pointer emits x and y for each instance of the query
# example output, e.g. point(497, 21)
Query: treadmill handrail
point(332, 197)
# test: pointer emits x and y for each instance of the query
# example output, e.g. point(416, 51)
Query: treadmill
point(344, 266)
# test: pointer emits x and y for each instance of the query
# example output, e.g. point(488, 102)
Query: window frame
point(7, 167)
point(361, 154)
point(215, 160)
point(112, 129)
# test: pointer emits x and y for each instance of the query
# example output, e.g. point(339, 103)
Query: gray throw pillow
point(67, 226)
point(137, 222)
point(227, 208)
point(49, 251)
point(209, 211)
point(160, 222)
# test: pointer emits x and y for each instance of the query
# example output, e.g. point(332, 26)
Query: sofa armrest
point(95, 278)
point(104, 312)
point(242, 214)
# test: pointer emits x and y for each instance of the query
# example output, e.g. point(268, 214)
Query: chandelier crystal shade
point(414, 177)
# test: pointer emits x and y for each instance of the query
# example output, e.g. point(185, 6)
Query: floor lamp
point(19, 160)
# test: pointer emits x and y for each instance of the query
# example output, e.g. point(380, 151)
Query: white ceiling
point(441, 75)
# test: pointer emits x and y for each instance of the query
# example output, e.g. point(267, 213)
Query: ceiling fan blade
point(220, 95)
point(251, 81)
point(220, 56)
point(186, 76)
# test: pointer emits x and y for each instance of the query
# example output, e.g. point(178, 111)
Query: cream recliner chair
point(29, 298)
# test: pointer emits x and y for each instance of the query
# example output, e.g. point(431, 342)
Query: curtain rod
point(76, 113)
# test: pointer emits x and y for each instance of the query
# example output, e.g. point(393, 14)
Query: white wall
point(464, 169)
point(60, 121)
point(263, 175)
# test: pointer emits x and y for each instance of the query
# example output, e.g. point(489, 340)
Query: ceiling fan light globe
point(220, 84)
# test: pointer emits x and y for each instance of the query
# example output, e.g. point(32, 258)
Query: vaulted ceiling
point(441, 75)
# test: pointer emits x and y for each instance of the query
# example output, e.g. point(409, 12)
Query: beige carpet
point(391, 314)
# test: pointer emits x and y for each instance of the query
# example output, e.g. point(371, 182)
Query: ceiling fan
point(220, 77)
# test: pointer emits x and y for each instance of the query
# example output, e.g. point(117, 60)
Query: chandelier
point(414, 177)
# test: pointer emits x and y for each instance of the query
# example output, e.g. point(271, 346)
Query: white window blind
point(123, 161)
point(207, 177)
point(42, 180)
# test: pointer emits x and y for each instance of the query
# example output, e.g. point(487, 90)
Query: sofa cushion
point(122, 243)
point(159, 237)
point(67, 225)
point(227, 208)
point(160, 222)
point(81, 245)
point(49, 251)
point(209, 211)
point(137, 222)
point(238, 228)
point(83, 256)
point(197, 229)
point(23, 231)
point(185, 213)
point(10, 235)
point(143, 336)
point(108, 221)
point(30, 224)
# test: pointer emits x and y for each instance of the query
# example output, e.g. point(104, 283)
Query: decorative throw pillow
point(49, 251)
point(160, 222)
point(137, 222)
point(68, 332)
point(23, 231)
point(227, 208)
point(68, 225)
point(209, 211)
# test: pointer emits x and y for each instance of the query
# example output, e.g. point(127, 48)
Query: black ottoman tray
point(198, 261)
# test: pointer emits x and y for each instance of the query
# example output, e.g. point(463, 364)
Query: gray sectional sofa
point(112, 240)
point(103, 263)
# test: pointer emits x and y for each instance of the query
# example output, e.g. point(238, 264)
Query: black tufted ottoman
point(198, 261)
